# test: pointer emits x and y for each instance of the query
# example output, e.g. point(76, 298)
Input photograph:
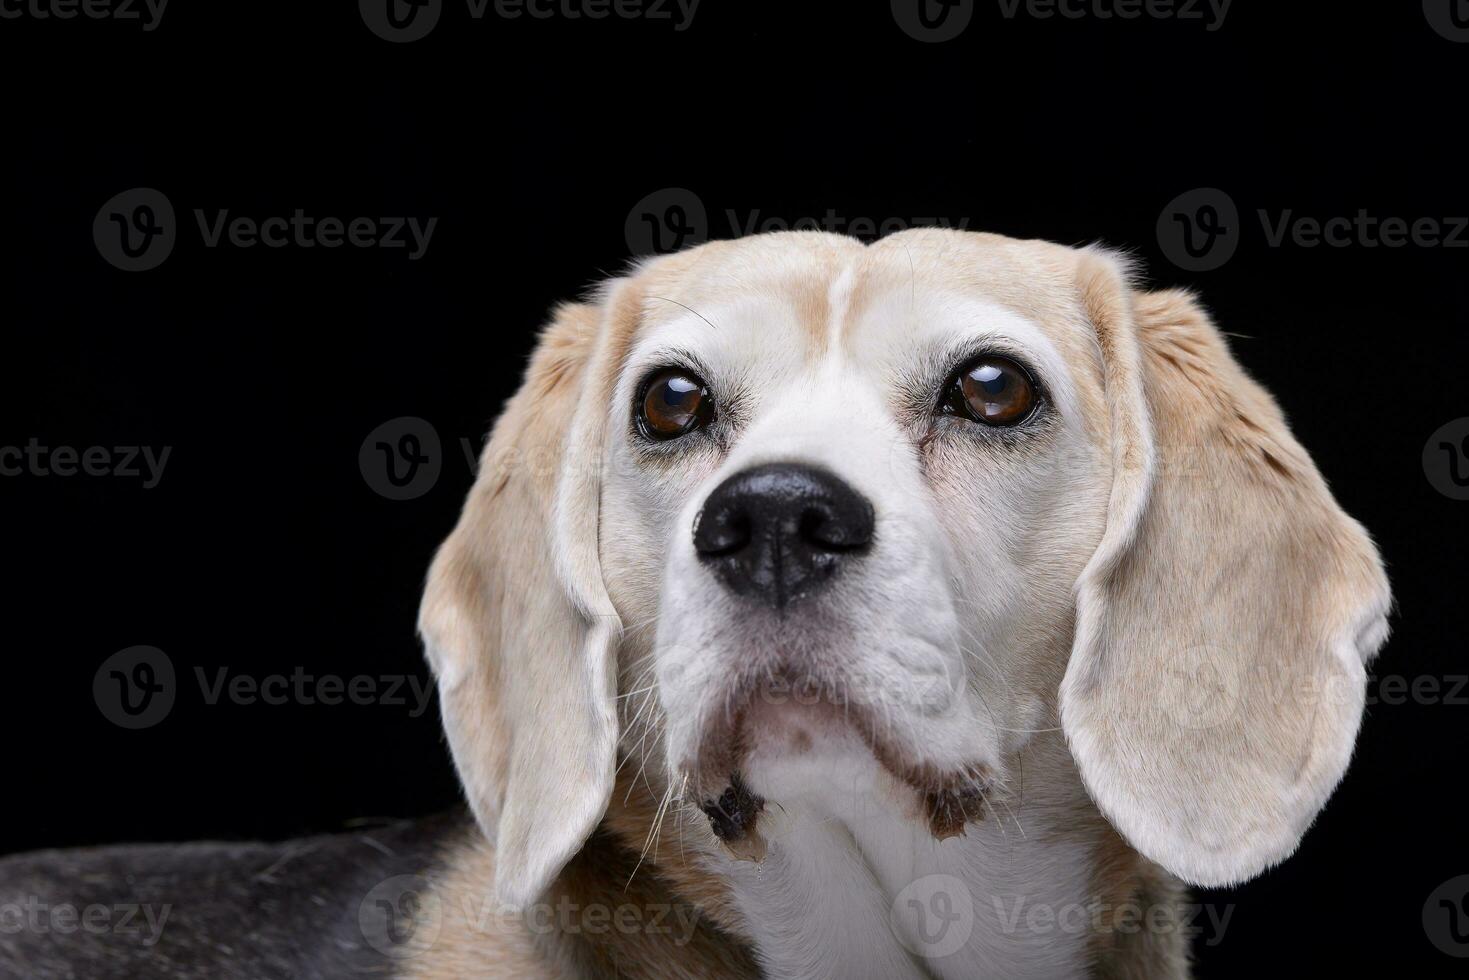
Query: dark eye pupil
point(675, 403)
point(994, 390)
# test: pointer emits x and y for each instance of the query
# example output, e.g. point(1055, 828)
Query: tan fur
point(1215, 693)
point(1123, 879)
point(679, 915)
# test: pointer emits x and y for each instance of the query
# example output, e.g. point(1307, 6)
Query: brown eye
point(674, 403)
point(993, 390)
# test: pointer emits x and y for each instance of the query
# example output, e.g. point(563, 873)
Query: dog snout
point(779, 532)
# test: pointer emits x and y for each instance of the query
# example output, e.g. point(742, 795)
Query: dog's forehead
point(824, 290)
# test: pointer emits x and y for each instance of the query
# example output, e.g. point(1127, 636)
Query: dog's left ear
point(1217, 678)
point(516, 619)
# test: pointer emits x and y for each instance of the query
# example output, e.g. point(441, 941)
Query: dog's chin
point(832, 756)
point(794, 750)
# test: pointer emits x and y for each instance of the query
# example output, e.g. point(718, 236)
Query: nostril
point(837, 526)
point(813, 526)
point(722, 533)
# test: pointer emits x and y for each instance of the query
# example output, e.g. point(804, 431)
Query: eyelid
point(653, 374)
point(657, 361)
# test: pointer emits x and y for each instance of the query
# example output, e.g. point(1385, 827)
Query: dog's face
point(847, 494)
point(789, 518)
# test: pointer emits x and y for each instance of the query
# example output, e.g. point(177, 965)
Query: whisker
point(689, 308)
point(652, 834)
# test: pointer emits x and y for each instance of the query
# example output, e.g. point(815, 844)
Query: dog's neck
point(1040, 887)
point(851, 888)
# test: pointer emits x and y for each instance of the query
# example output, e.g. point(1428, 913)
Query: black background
point(264, 549)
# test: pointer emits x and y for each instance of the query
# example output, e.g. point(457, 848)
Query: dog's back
point(323, 906)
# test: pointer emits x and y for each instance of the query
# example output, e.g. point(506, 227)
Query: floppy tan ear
point(517, 623)
point(1217, 678)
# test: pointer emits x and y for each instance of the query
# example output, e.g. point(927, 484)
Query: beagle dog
point(935, 608)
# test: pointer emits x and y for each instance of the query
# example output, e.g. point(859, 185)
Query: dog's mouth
point(768, 722)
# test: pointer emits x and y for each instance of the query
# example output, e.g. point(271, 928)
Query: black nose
point(781, 531)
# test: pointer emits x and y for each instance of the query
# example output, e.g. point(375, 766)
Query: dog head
point(790, 510)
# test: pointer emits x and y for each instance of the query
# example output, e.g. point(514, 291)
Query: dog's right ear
point(516, 620)
point(1225, 622)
